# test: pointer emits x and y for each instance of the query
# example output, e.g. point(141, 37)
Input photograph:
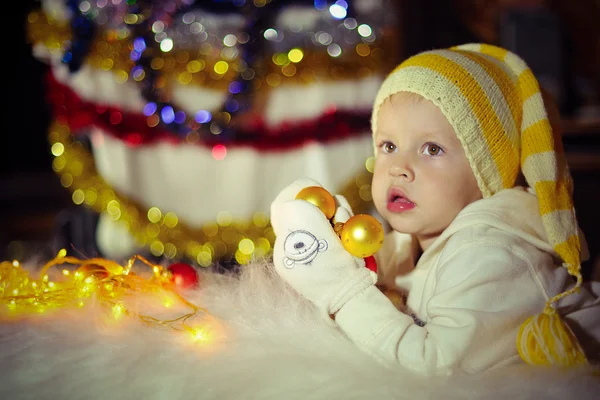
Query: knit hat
point(494, 103)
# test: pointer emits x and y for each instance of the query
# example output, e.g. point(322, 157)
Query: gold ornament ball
point(320, 198)
point(93, 273)
point(362, 235)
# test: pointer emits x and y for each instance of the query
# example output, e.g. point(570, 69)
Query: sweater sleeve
point(483, 292)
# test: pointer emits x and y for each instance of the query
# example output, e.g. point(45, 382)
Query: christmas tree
point(179, 121)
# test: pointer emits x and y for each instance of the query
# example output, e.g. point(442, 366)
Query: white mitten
point(309, 255)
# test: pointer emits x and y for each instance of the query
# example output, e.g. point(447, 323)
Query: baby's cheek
point(379, 195)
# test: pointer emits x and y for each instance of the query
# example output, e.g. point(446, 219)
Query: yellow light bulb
point(118, 311)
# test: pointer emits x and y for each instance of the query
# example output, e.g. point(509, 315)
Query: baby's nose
point(402, 170)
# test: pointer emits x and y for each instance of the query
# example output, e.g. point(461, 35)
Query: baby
point(472, 179)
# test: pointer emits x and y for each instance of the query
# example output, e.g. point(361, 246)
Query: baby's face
point(422, 178)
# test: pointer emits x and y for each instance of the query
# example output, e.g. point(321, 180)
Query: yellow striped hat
point(494, 103)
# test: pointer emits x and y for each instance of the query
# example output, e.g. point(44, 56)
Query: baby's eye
point(432, 149)
point(388, 147)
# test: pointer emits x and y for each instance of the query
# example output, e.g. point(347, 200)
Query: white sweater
point(473, 287)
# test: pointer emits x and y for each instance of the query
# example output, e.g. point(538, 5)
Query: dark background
point(30, 193)
point(559, 39)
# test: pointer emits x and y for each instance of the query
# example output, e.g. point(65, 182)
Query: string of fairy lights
point(100, 282)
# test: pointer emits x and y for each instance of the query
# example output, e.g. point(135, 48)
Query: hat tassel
point(545, 339)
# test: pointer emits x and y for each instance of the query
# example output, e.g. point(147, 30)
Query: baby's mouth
point(398, 202)
point(398, 197)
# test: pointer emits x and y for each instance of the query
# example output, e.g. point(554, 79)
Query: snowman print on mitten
point(302, 247)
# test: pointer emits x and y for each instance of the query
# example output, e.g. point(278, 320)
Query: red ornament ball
point(371, 263)
point(183, 275)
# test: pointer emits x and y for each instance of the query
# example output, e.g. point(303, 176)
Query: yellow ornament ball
point(362, 235)
point(92, 272)
point(320, 198)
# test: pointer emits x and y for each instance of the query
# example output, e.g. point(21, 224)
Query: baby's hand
point(309, 255)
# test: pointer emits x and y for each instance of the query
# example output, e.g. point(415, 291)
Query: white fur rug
point(271, 345)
